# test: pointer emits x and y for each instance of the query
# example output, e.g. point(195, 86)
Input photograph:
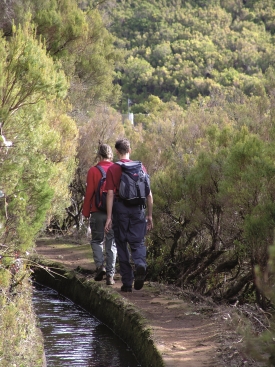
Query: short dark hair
point(123, 146)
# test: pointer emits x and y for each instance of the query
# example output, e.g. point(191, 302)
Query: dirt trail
point(189, 331)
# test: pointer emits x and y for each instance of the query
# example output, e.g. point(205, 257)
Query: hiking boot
point(110, 280)
point(139, 277)
point(100, 272)
point(125, 288)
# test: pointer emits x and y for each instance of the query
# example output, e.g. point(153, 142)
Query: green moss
point(21, 342)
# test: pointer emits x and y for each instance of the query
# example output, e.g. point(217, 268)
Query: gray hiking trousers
point(99, 239)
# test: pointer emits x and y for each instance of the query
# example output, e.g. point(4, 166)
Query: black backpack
point(134, 184)
point(101, 193)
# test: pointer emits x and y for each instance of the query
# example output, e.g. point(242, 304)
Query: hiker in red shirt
point(129, 223)
point(98, 219)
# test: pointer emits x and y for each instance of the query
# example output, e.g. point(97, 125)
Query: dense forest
point(182, 49)
point(199, 78)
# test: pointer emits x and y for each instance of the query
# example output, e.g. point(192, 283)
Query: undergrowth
point(21, 341)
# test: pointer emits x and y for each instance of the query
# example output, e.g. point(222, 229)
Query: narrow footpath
point(189, 331)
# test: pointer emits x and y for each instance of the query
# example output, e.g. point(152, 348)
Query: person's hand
point(85, 220)
point(108, 225)
point(149, 221)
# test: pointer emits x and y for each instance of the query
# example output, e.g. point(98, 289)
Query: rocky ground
point(189, 330)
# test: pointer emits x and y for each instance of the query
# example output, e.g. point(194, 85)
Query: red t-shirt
point(93, 178)
point(113, 176)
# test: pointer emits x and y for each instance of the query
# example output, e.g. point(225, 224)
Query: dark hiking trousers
point(129, 225)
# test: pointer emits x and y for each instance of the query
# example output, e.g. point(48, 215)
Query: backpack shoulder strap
point(129, 164)
point(103, 173)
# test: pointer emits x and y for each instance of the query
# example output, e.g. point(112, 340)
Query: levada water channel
point(73, 337)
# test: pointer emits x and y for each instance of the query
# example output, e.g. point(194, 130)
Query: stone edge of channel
point(121, 316)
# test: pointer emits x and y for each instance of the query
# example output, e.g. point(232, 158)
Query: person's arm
point(90, 190)
point(109, 203)
point(149, 216)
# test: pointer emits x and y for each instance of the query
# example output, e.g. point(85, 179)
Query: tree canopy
point(184, 49)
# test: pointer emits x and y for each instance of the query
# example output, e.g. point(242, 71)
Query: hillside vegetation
point(183, 49)
point(200, 78)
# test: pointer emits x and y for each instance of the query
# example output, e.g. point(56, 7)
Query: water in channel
point(73, 337)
